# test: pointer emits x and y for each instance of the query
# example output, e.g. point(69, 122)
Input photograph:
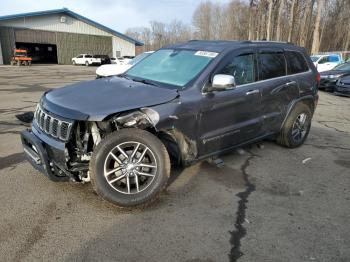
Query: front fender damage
point(143, 118)
point(180, 147)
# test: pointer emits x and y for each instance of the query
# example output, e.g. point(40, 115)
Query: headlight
point(334, 76)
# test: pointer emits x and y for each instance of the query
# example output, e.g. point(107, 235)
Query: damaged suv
point(184, 103)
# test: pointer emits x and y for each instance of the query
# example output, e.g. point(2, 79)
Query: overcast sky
point(116, 14)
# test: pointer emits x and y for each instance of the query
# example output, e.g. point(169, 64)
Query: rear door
point(277, 88)
point(233, 116)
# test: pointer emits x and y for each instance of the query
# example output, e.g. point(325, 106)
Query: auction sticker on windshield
point(206, 53)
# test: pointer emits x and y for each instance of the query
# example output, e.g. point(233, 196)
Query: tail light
point(318, 78)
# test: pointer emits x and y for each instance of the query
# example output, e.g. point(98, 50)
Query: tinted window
point(271, 65)
point(242, 68)
point(295, 63)
point(88, 56)
point(333, 58)
point(79, 56)
point(323, 60)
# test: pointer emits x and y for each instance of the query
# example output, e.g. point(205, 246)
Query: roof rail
point(269, 41)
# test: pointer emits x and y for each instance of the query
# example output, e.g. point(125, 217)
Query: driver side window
point(323, 60)
point(241, 68)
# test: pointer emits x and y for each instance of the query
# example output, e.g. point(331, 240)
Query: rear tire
point(86, 63)
point(296, 127)
point(139, 177)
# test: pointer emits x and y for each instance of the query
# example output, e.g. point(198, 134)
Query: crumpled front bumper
point(45, 154)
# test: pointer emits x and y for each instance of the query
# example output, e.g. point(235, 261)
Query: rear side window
point(242, 68)
point(88, 56)
point(295, 63)
point(271, 65)
point(333, 58)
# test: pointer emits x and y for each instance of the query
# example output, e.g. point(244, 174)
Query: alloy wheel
point(300, 126)
point(130, 167)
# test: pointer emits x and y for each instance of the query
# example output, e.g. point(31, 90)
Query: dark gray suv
point(184, 103)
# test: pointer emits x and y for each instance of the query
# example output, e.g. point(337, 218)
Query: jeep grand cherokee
point(183, 103)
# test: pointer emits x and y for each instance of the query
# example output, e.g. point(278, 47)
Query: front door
point(230, 117)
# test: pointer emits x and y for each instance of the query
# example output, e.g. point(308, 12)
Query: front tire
point(86, 63)
point(129, 167)
point(296, 127)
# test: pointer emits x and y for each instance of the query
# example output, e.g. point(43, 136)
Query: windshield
point(138, 58)
point(314, 58)
point(343, 67)
point(173, 67)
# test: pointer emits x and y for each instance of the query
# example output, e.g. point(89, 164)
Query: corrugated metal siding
point(31, 36)
point(70, 45)
point(1, 60)
point(53, 23)
point(7, 38)
point(123, 46)
point(72, 25)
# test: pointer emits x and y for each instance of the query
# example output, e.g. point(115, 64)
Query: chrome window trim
point(265, 80)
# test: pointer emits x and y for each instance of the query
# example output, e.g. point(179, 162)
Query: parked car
point(343, 86)
point(326, 62)
point(330, 77)
point(104, 59)
point(114, 60)
point(119, 67)
point(86, 59)
point(184, 103)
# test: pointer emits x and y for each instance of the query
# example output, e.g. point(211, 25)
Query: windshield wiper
point(144, 81)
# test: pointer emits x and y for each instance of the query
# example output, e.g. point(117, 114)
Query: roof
point(74, 15)
point(222, 45)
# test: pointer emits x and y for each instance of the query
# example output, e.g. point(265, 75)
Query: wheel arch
point(310, 101)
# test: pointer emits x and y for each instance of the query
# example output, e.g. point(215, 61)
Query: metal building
point(55, 36)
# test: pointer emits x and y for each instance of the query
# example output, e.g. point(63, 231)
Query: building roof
point(76, 16)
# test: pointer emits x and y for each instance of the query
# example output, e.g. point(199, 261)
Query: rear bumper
point(46, 158)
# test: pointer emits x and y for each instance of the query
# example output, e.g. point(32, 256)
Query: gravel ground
point(265, 204)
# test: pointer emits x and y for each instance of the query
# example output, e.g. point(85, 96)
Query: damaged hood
point(97, 99)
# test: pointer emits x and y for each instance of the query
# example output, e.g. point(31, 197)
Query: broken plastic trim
point(144, 117)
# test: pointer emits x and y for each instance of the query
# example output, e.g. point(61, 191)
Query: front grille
point(52, 125)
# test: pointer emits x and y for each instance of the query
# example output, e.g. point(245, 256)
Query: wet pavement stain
point(240, 231)
point(37, 232)
point(11, 160)
point(343, 163)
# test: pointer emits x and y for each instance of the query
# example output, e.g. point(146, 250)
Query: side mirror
point(222, 82)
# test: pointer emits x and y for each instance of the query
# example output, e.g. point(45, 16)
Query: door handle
point(291, 83)
point(251, 92)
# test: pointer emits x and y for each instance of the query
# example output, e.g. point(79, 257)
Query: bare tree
point(279, 20)
point(269, 20)
point(202, 20)
point(324, 28)
point(316, 37)
point(291, 20)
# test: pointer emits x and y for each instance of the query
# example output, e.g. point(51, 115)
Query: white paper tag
point(206, 53)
